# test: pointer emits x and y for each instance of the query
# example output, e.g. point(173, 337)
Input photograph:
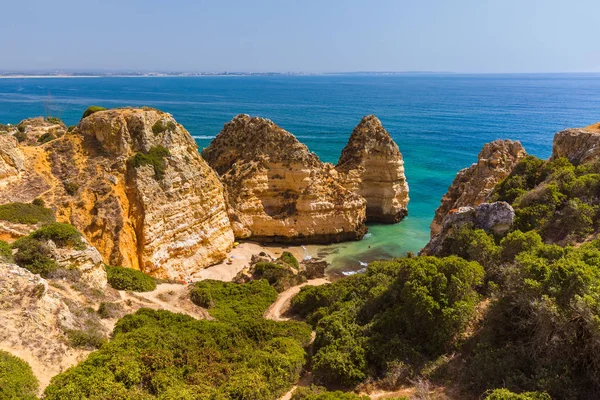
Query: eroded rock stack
point(371, 165)
point(278, 190)
point(472, 185)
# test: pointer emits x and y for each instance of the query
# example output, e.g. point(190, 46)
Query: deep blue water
point(440, 122)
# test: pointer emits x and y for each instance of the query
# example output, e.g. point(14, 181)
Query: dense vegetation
point(16, 379)
point(155, 157)
point(406, 311)
point(54, 120)
point(25, 213)
point(158, 354)
point(36, 254)
point(121, 278)
point(92, 109)
point(555, 198)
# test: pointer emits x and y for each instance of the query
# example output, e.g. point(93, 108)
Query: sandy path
point(282, 304)
point(171, 297)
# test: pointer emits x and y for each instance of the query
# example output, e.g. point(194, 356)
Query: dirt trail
point(282, 304)
point(171, 297)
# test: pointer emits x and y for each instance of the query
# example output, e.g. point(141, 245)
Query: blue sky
point(307, 35)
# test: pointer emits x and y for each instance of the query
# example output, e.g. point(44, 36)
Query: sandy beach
point(240, 257)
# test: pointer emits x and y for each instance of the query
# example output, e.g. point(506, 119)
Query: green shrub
point(38, 202)
point(289, 259)
point(505, 394)
point(71, 128)
point(155, 157)
point(517, 242)
point(110, 310)
point(92, 109)
point(16, 379)
point(64, 235)
point(5, 252)
point(34, 255)
point(541, 332)
point(86, 338)
point(20, 136)
point(231, 301)
point(71, 188)
point(407, 310)
point(281, 277)
point(320, 393)
point(54, 120)
point(121, 278)
point(24, 213)
point(161, 126)
point(46, 137)
point(158, 354)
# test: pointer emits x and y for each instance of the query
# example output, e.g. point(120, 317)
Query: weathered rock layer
point(578, 145)
point(133, 182)
point(472, 185)
point(371, 165)
point(278, 190)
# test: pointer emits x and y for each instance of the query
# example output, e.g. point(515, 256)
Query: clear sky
point(302, 35)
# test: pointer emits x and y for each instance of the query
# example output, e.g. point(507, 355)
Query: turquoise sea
point(440, 121)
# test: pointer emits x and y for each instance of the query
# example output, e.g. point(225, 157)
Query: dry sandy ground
point(240, 257)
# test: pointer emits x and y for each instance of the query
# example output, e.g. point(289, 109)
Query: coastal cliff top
point(247, 138)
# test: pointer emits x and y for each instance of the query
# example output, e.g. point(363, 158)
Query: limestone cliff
point(278, 190)
point(371, 165)
point(12, 161)
point(578, 145)
point(472, 185)
point(133, 182)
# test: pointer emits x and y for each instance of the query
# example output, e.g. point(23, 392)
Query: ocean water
point(440, 122)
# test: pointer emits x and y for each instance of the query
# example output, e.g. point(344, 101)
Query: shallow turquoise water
point(440, 122)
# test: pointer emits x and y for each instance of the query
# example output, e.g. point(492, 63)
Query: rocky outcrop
point(371, 165)
point(133, 182)
point(35, 319)
point(578, 145)
point(472, 185)
point(12, 161)
point(497, 217)
point(86, 260)
point(278, 191)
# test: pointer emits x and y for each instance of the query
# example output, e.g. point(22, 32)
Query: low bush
point(63, 235)
point(34, 255)
point(161, 126)
point(121, 278)
point(281, 277)
point(21, 136)
point(92, 109)
point(505, 394)
point(86, 338)
point(71, 188)
point(320, 393)
point(289, 259)
point(155, 157)
point(5, 252)
point(24, 213)
point(46, 137)
point(54, 120)
point(16, 379)
point(110, 310)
